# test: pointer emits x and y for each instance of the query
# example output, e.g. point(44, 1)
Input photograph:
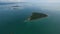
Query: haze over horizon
point(44, 4)
point(11, 1)
point(30, 1)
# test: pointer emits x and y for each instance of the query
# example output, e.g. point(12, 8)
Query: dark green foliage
point(37, 15)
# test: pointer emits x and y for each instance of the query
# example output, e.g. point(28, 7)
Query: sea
point(13, 20)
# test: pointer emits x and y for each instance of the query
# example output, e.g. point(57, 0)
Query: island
point(15, 6)
point(36, 15)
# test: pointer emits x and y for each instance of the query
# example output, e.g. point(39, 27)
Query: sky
point(45, 4)
point(10, 0)
point(29, 0)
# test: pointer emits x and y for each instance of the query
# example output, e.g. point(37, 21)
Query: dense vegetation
point(37, 15)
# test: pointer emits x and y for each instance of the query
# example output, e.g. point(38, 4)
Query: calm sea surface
point(12, 20)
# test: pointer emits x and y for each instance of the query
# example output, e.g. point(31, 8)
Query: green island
point(36, 15)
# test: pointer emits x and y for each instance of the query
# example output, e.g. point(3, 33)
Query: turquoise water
point(13, 20)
